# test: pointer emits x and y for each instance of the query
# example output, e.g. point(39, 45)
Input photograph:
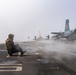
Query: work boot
point(8, 55)
point(23, 52)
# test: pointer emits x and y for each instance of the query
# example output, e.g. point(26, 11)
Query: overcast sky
point(26, 18)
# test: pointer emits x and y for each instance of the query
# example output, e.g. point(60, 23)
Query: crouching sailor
point(11, 48)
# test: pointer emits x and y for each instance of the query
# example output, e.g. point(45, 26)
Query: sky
point(26, 18)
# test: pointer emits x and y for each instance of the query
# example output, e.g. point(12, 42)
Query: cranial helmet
point(10, 36)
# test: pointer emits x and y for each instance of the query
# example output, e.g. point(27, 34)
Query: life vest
point(9, 44)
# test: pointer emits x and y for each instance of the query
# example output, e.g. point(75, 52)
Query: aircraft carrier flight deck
point(41, 58)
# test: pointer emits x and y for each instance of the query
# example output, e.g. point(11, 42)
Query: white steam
point(64, 51)
point(48, 47)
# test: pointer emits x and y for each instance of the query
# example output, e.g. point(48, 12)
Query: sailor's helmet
point(10, 36)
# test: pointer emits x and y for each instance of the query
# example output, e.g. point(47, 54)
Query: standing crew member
point(11, 48)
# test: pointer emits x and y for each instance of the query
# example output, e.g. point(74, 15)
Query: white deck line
point(5, 68)
point(9, 64)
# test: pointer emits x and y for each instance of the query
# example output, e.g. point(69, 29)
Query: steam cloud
point(63, 51)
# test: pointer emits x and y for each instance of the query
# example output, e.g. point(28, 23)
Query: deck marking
point(12, 67)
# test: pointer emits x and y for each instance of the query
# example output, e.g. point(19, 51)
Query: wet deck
point(38, 62)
